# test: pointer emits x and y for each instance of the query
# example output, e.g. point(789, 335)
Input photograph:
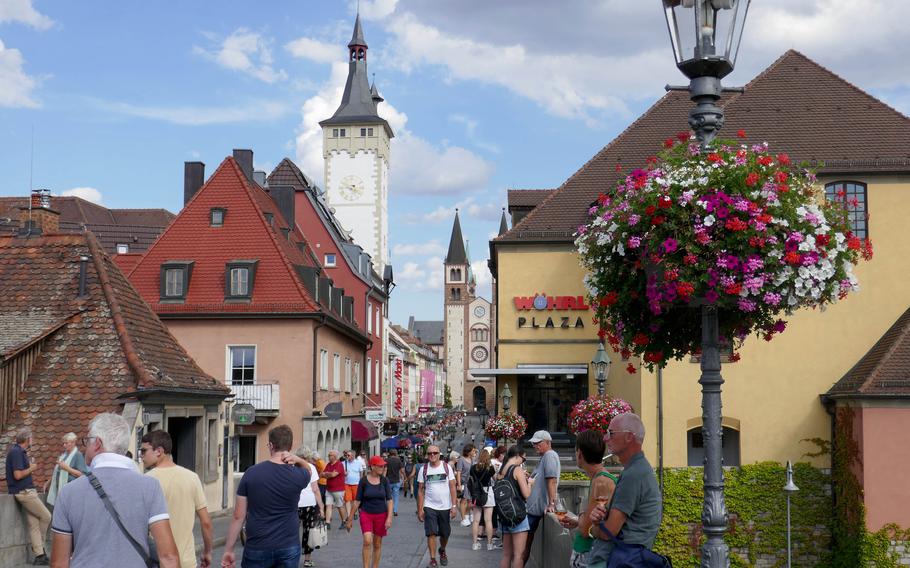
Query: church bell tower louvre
point(356, 153)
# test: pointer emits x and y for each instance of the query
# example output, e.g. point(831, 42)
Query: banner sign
point(399, 369)
point(427, 387)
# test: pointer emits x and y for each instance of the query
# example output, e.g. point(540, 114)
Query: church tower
point(355, 149)
point(459, 292)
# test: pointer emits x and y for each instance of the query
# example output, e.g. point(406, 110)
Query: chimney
point(261, 178)
point(193, 178)
point(244, 159)
point(283, 196)
point(38, 217)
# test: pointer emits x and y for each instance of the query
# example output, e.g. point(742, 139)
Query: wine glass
point(561, 511)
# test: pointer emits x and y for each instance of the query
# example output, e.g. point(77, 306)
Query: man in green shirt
point(635, 510)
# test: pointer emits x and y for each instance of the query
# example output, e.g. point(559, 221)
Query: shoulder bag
point(151, 557)
point(626, 555)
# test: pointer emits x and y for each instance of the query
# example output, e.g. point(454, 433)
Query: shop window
point(695, 447)
point(854, 195)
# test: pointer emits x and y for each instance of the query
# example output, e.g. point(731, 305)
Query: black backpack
point(509, 503)
point(475, 488)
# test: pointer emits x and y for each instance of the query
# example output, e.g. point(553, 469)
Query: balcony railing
point(264, 398)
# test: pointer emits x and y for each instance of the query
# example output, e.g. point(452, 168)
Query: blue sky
point(483, 96)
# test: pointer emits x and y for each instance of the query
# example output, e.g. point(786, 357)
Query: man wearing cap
point(544, 482)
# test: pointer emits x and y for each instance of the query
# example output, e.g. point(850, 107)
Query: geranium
point(595, 413)
point(509, 426)
point(737, 227)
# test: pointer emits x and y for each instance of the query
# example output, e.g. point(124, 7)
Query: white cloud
point(377, 9)
point(470, 127)
point(23, 12)
point(201, 116)
point(421, 277)
point(245, 51)
point(86, 193)
point(420, 167)
point(488, 211)
point(315, 50)
point(482, 273)
point(433, 247)
point(15, 85)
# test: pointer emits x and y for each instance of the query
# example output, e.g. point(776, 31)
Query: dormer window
point(330, 260)
point(175, 280)
point(269, 218)
point(216, 216)
point(123, 248)
point(239, 278)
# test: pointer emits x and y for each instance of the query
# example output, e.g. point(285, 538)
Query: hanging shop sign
point(542, 303)
point(243, 414)
point(399, 367)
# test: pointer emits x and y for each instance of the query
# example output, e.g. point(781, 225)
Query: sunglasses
point(432, 453)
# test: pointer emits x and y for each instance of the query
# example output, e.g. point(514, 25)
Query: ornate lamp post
point(706, 36)
point(506, 396)
point(601, 364)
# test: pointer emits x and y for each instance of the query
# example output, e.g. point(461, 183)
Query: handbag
point(151, 557)
point(319, 535)
point(625, 555)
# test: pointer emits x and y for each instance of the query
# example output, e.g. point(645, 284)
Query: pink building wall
point(885, 456)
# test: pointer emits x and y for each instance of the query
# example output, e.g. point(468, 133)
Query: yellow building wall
point(774, 390)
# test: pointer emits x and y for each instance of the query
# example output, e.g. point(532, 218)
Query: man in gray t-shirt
point(635, 510)
point(546, 481)
point(84, 529)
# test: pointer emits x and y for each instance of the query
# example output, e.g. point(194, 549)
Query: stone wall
point(13, 533)
point(900, 551)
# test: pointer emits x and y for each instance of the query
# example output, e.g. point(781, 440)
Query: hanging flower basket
point(736, 227)
point(508, 426)
point(595, 413)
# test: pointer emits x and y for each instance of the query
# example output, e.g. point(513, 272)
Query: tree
point(447, 397)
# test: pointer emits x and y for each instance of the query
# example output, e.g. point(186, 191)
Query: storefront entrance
point(546, 403)
point(480, 399)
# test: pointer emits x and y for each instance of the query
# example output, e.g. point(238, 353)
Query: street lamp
point(601, 365)
point(789, 488)
point(506, 396)
point(706, 35)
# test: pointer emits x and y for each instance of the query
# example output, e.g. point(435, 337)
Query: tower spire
point(457, 254)
point(503, 224)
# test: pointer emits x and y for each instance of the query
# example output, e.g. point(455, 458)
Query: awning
point(363, 430)
point(541, 370)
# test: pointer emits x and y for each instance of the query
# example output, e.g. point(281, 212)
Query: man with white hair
point(85, 531)
point(635, 510)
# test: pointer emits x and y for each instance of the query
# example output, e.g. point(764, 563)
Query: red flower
point(625, 353)
point(654, 356)
point(793, 258)
point(714, 157)
point(685, 289)
point(781, 176)
point(765, 160)
point(741, 133)
point(867, 249)
point(668, 143)
point(735, 357)
point(602, 198)
point(649, 210)
point(822, 240)
point(783, 188)
point(609, 299)
point(735, 224)
point(630, 369)
point(752, 179)
point(658, 220)
point(783, 159)
point(664, 202)
point(682, 136)
point(853, 243)
point(618, 167)
point(640, 339)
point(690, 259)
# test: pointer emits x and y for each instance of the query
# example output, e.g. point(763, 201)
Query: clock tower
point(356, 148)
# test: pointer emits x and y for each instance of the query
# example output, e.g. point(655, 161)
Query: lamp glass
point(601, 361)
point(705, 34)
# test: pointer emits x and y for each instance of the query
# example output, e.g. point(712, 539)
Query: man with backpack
point(436, 503)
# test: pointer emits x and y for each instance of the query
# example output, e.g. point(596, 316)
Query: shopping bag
point(319, 535)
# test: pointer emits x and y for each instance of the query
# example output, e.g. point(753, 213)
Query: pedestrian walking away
point(334, 489)
point(374, 498)
point(463, 472)
point(634, 513)
point(589, 454)
point(19, 482)
point(395, 473)
point(103, 519)
point(436, 503)
point(266, 501)
point(184, 496)
point(70, 466)
point(480, 484)
point(512, 490)
point(544, 485)
point(408, 479)
point(310, 507)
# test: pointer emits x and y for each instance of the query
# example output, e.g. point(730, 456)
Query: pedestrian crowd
point(106, 513)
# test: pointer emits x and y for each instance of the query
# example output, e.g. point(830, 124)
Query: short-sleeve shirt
point(320, 466)
point(307, 497)
point(393, 469)
point(547, 468)
point(80, 513)
point(463, 466)
point(334, 483)
point(638, 496)
point(184, 495)
point(17, 460)
point(437, 495)
point(374, 498)
point(272, 491)
point(353, 470)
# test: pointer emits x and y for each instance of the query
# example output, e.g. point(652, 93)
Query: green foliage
point(757, 509)
point(447, 397)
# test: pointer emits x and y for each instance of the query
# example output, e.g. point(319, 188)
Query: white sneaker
point(466, 522)
point(492, 546)
point(475, 546)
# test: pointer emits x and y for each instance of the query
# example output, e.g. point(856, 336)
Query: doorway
point(183, 437)
point(480, 399)
point(546, 402)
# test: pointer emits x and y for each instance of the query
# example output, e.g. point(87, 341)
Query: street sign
point(375, 415)
point(333, 411)
point(423, 409)
point(243, 414)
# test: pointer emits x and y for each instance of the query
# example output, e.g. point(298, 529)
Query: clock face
point(351, 188)
point(479, 354)
point(480, 311)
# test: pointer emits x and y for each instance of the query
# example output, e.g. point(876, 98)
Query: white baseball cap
point(541, 436)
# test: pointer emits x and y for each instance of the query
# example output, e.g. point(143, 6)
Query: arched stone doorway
point(480, 399)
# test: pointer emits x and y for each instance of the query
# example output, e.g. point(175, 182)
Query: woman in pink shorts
point(374, 499)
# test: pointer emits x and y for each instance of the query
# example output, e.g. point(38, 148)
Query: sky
point(106, 100)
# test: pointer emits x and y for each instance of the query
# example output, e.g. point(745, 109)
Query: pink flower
point(670, 246)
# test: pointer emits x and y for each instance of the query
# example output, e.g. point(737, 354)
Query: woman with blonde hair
point(480, 480)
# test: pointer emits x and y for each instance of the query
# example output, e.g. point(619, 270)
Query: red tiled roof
point(795, 105)
point(245, 235)
point(126, 262)
point(884, 370)
point(97, 348)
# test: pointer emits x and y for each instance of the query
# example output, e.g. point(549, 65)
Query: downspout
point(316, 357)
point(660, 428)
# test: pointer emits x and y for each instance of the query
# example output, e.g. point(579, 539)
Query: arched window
point(854, 195)
point(695, 447)
point(456, 293)
point(480, 333)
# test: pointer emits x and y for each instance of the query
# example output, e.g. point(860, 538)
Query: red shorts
point(373, 522)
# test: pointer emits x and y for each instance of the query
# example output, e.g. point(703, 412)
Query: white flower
point(708, 220)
